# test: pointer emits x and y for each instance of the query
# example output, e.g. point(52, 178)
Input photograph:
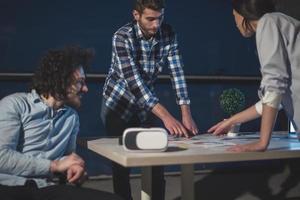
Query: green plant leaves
point(232, 101)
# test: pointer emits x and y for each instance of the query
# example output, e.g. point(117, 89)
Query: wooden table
point(188, 153)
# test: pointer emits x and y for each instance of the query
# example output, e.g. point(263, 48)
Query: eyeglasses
point(80, 83)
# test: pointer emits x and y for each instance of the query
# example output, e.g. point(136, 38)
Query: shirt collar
point(35, 97)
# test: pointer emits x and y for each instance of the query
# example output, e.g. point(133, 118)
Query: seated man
point(38, 132)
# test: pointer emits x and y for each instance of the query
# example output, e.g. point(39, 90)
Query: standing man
point(38, 132)
point(140, 50)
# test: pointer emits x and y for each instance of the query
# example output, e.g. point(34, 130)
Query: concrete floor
point(271, 183)
point(105, 184)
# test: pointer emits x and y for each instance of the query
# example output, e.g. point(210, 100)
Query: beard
point(73, 100)
point(148, 33)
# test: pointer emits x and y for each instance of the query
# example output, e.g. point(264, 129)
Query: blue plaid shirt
point(136, 63)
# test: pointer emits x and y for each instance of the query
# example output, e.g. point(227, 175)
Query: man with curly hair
point(38, 132)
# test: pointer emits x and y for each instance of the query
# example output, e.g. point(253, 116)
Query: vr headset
point(145, 139)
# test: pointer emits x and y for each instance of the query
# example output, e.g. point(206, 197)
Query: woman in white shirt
point(278, 47)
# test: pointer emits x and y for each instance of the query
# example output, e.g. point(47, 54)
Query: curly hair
point(141, 5)
point(55, 71)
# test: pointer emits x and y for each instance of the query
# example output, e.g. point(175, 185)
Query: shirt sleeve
point(11, 161)
point(271, 99)
point(72, 142)
point(177, 74)
point(127, 65)
point(273, 57)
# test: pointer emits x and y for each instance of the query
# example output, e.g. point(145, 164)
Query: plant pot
point(234, 131)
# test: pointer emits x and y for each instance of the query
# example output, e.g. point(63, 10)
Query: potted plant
point(232, 101)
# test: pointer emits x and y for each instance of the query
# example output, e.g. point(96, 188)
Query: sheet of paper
point(207, 142)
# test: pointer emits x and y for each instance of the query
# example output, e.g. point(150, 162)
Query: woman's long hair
point(252, 10)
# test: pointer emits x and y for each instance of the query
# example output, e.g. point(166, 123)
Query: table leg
point(146, 193)
point(187, 182)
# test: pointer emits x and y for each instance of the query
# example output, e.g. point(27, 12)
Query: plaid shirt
point(136, 63)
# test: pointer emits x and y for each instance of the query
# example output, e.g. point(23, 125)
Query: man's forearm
point(160, 111)
point(16, 163)
point(185, 110)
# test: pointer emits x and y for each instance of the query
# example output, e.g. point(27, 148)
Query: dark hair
point(156, 5)
point(252, 10)
point(55, 71)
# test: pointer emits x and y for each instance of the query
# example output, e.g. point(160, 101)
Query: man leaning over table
point(140, 50)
